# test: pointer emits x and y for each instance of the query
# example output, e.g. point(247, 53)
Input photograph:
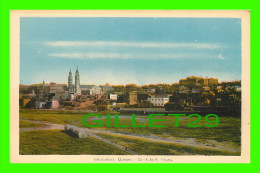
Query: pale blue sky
point(129, 50)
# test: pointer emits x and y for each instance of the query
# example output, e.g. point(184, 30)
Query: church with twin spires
point(74, 88)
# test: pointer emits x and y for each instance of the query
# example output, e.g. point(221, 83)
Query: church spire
point(77, 83)
point(70, 83)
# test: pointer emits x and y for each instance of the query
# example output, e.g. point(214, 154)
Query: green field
point(145, 147)
point(228, 129)
point(227, 132)
point(57, 142)
point(51, 116)
point(27, 124)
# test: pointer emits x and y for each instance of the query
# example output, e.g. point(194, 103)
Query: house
point(159, 100)
point(53, 104)
point(112, 96)
point(133, 98)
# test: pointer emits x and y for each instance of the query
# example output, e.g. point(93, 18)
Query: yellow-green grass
point(27, 124)
point(228, 129)
point(147, 147)
point(55, 142)
point(51, 116)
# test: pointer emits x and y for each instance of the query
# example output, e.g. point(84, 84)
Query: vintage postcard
point(162, 86)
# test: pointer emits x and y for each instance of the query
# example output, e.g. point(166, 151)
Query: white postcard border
point(14, 90)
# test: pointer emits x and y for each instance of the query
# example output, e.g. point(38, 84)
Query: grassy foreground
point(56, 142)
point(27, 124)
point(228, 129)
point(146, 147)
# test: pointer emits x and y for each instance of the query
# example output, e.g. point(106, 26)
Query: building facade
point(198, 81)
point(133, 98)
point(159, 100)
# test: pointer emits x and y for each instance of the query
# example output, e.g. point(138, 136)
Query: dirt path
point(49, 126)
point(212, 145)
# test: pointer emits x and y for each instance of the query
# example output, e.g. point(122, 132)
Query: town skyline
point(177, 82)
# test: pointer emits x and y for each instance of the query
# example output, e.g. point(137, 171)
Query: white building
point(54, 104)
point(39, 104)
point(237, 88)
point(113, 96)
point(159, 100)
point(96, 90)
